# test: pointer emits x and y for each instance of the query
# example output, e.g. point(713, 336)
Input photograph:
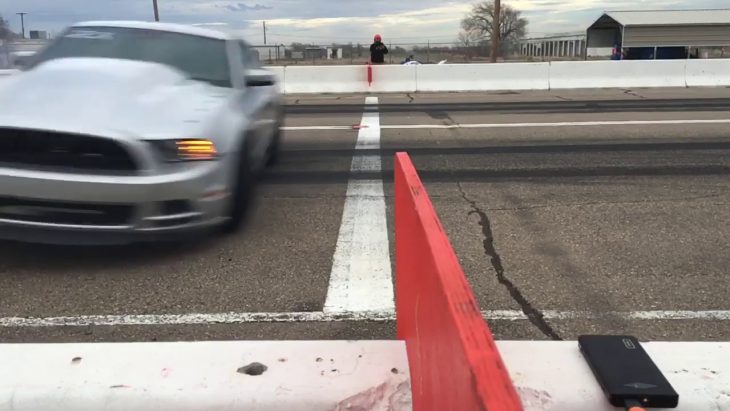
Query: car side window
point(249, 57)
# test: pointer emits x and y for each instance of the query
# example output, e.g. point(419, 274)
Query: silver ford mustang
point(126, 131)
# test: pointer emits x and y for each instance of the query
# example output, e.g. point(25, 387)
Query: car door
point(257, 101)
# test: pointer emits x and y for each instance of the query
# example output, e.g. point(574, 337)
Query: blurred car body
point(126, 131)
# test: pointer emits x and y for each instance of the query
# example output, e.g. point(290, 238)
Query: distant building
point(315, 53)
point(561, 46)
point(38, 35)
point(659, 34)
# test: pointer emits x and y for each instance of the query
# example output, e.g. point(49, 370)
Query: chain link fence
point(528, 50)
point(334, 54)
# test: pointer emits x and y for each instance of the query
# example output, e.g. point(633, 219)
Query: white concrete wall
point(479, 77)
point(708, 73)
point(197, 376)
point(349, 79)
point(505, 76)
point(554, 376)
point(394, 78)
point(325, 79)
point(617, 74)
point(317, 375)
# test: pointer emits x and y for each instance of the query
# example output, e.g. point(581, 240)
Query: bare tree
point(5, 32)
point(468, 38)
point(469, 42)
point(513, 26)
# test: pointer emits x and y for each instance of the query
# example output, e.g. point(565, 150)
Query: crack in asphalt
point(633, 93)
point(534, 315)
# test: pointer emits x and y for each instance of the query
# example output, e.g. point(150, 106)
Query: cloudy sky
point(327, 21)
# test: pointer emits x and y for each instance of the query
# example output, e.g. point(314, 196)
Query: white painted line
point(319, 316)
point(723, 315)
point(193, 319)
point(518, 125)
point(307, 128)
point(361, 277)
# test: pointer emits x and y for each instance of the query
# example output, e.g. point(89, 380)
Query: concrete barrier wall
point(393, 79)
point(481, 77)
point(507, 76)
point(706, 73)
point(554, 376)
point(325, 79)
point(348, 79)
point(617, 74)
point(205, 375)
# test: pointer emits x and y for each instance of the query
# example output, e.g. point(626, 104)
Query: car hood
point(109, 96)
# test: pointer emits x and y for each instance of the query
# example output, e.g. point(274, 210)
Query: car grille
point(55, 212)
point(66, 152)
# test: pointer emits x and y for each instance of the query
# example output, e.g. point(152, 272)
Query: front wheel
point(241, 194)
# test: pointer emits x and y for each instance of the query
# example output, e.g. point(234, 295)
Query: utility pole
point(496, 30)
point(22, 22)
point(268, 49)
point(157, 11)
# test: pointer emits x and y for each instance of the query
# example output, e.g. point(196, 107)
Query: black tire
point(241, 194)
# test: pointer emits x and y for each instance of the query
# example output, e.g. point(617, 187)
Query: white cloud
point(440, 23)
point(327, 21)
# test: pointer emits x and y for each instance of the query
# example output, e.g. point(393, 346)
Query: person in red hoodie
point(378, 50)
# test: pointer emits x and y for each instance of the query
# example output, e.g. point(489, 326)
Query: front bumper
point(101, 237)
point(166, 205)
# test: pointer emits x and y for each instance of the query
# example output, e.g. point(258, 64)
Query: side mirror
point(260, 78)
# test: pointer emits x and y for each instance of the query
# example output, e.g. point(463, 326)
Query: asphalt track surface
point(617, 220)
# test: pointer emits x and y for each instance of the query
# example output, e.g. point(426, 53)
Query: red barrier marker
point(370, 74)
point(454, 361)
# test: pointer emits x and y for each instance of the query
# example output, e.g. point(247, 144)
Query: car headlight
point(185, 149)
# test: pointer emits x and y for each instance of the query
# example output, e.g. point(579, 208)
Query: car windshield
point(201, 58)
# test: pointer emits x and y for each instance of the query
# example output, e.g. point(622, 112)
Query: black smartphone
point(626, 372)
